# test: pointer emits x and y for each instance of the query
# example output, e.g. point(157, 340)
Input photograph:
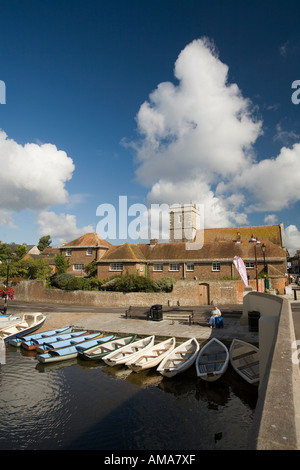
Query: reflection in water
point(68, 405)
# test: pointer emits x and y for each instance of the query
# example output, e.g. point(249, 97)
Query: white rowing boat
point(152, 356)
point(212, 360)
point(101, 350)
point(180, 359)
point(30, 322)
point(244, 358)
point(129, 351)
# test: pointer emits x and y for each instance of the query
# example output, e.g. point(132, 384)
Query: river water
point(87, 405)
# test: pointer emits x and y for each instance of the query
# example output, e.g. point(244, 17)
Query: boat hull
point(70, 352)
point(212, 361)
point(128, 352)
point(28, 339)
point(98, 352)
point(25, 327)
point(180, 359)
point(152, 356)
point(244, 358)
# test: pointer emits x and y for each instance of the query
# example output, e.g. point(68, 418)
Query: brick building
point(213, 261)
point(83, 251)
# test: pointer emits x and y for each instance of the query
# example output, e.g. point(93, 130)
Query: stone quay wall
point(185, 293)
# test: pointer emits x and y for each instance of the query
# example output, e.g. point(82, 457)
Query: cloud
point(271, 219)
point(33, 175)
point(6, 219)
point(196, 143)
point(61, 227)
point(282, 173)
point(292, 238)
point(196, 134)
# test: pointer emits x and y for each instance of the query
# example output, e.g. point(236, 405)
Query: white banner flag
point(240, 266)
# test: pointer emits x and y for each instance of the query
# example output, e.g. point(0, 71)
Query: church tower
point(184, 222)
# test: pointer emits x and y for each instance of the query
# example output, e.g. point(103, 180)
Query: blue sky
point(161, 101)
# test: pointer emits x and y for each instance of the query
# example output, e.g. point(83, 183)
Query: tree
point(44, 242)
point(61, 264)
point(20, 251)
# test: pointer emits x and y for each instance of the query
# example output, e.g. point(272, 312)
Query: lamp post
point(8, 261)
point(255, 242)
point(263, 247)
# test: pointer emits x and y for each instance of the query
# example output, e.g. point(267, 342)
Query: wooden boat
point(30, 322)
point(70, 352)
point(212, 360)
point(72, 339)
point(152, 356)
point(45, 334)
point(244, 358)
point(128, 352)
point(101, 350)
point(39, 343)
point(180, 359)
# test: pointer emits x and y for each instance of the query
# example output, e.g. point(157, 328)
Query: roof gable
point(88, 240)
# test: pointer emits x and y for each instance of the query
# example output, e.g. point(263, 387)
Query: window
point(216, 266)
point(116, 267)
point(190, 267)
point(249, 265)
point(78, 267)
point(89, 251)
point(68, 252)
point(173, 267)
point(158, 267)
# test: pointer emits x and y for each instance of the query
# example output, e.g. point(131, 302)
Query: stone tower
point(184, 222)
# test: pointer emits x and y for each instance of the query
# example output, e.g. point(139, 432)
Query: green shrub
point(165, 284)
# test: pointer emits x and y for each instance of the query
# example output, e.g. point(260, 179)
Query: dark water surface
point(88, 405)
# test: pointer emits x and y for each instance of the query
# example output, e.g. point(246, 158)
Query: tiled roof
point(87, 240)
point(264, 232)
point(128, 251)
point(218, 250)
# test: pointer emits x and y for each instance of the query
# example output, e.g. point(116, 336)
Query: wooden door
point(203, 294)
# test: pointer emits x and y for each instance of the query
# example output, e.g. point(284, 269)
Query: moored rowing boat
point(61, 341)
point(70, 352)
point(244, 358)
point(212, 360)
point(17, 342)
point(180, 359)
point(101, 350)
point(152, 356)
point(30, 322)
point(128, 352)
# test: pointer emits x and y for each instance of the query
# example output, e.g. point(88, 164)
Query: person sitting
point(216, 313)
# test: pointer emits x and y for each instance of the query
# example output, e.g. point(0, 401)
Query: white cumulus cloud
point(61, 227)
point(196, 143)
point(292, 238)
point(33, 176)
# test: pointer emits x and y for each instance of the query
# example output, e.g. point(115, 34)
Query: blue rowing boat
point(45, 334)
point(36, 342)
point(64, 342)
point(70, 352)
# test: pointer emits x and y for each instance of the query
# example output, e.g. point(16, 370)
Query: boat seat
point(241, 356)
point(247, 366)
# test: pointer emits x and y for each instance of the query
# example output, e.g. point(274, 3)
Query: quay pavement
point(115, 321)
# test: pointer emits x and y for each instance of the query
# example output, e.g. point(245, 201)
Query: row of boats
point(211, 360)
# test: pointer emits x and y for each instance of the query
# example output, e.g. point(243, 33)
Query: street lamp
point(8, 261)
point(263, 248)
point(255, 242)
